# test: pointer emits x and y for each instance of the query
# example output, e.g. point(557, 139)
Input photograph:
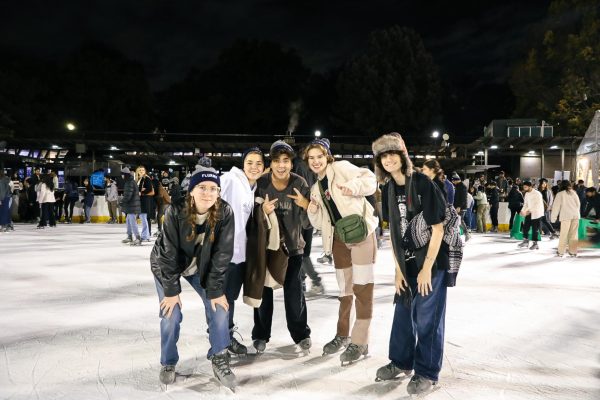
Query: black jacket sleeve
point(460, 196)
point(128, 191)
point(385, 212)
point(222, 252)
point(166, 256)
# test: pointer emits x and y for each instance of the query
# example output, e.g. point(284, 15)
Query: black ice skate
point(236, 348)
point(325, 259)
point(524, 243)
point(220, 366)
point(534, 246)
point(316, 289)
point(419, 385)
point(167, 374)
point(305, 345)
point(338, 343)
point(353, 353)
point(260, 345)
point(390, 371)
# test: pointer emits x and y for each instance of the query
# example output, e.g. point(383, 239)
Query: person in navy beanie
point(197, 244)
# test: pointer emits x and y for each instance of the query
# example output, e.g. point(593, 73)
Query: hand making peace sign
point(299, 199)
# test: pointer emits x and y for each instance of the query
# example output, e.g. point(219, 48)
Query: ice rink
point(80, 321)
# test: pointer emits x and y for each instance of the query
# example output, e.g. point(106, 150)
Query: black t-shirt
point(327, 197)
point(433, 205)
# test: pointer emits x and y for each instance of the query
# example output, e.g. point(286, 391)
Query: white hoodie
point(236, 190)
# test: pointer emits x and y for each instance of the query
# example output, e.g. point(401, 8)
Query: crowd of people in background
point(43, 202)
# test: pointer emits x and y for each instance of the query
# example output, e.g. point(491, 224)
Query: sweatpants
point(354, 272)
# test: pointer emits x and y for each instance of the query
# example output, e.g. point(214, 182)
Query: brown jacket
point(266, 255)
point(163, 197)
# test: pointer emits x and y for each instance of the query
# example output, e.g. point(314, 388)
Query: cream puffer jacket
point(566, 206)
point(361, 181)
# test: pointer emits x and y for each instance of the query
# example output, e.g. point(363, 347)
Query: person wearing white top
point(47, 200)
point(533, 211)
point(237, 189)
point(566, 207)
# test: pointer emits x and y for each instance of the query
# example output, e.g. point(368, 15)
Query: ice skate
point(390, 371)
point(305, 345)
point(260, 345)
point(236, 348)
point(353, 353)
point(419, 385)
point(534, 246)
point(220, 366)
point(127, 240)
point(167, 374)
point(524, 243)
point(338, 343)
point(553, 236)
point(136, 242)
point(316, 289)
point(325, 259)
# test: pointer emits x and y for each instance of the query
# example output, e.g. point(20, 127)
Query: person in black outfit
point(548, 201)
point(146, 191)
point(300, 168)
point(285, 194)
point(422, 275)
point(460, 202)
point(493, 196)
point(592, 204)
point(515, 203)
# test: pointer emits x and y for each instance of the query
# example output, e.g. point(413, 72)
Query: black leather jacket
point(172, 253)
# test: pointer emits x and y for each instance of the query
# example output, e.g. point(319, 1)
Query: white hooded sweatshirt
point(236, 190)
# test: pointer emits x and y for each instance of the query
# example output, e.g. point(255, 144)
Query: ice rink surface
point(80, 321)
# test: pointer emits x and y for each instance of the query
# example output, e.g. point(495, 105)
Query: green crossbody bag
point(351, 229)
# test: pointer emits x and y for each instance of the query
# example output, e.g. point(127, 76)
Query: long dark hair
point(435, 167)
point(48, 181)
point(406, 167)
point(213, 217)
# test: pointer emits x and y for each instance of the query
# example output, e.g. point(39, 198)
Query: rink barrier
point(100, 213)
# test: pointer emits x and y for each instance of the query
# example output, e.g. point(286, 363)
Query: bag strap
point(330, 212)
point(326, 202)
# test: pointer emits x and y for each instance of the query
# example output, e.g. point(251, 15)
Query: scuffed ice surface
point(80, 321)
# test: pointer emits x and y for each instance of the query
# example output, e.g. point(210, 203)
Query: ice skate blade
point(232, 387)
point(353, 361)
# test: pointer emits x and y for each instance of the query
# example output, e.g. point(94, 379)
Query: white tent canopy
point(588, 154)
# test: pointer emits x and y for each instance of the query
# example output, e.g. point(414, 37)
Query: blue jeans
point(132, 228)
point(218, 329)
point(5, 211)
point(145, 230)
point(417, 339)
point(88, 213)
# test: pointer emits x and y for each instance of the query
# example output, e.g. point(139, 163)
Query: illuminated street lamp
point(435, 134)
point(317, 133)
point(70, 126)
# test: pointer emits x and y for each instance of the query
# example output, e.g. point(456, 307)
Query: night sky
point(474, 43)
